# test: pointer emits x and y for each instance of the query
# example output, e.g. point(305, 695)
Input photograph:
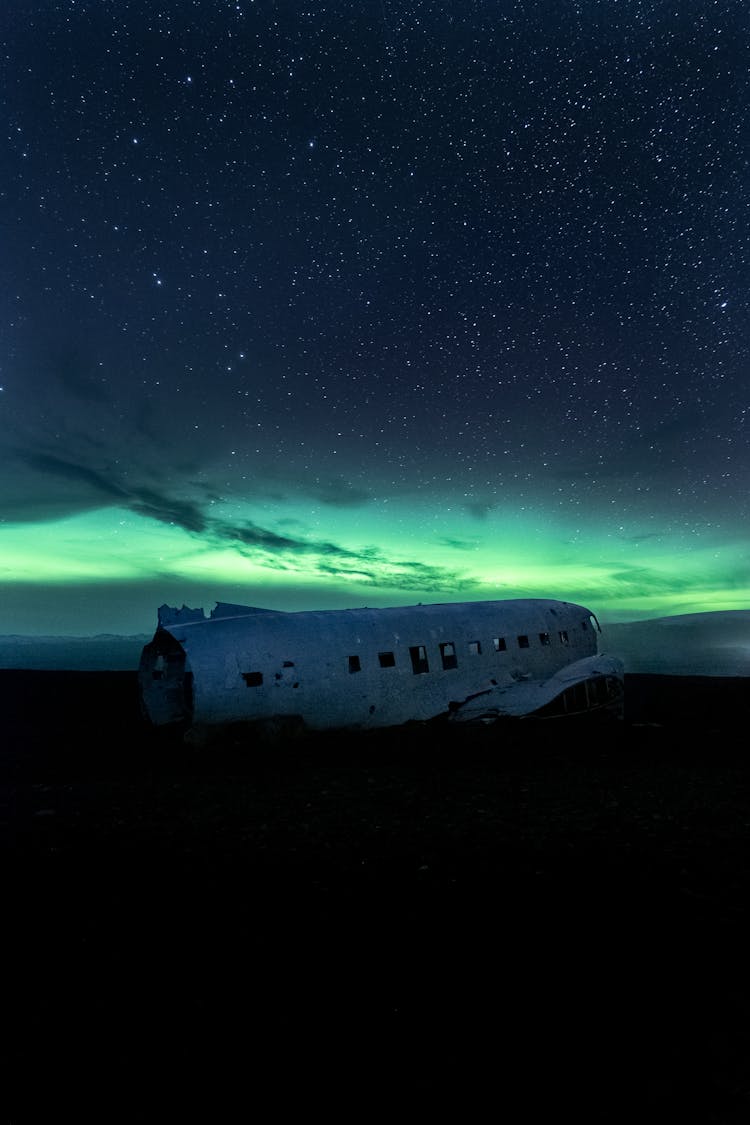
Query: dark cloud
point(458, 544)
point(480, 509)
point(639, 578)
point(180, 513)
point(59, 468)
point(368, 564)
point(404, 574)
point(100, 488)
point(48, 485)
point(251, 535)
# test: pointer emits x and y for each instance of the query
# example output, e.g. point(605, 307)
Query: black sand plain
point(521, 923)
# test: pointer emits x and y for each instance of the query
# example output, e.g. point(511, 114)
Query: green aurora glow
point(385, 555)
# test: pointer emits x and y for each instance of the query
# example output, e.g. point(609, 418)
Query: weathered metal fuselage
point(365, 668)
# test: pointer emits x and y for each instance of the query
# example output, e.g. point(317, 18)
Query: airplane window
point(253, 679)
point(564, 636)
point(523, 641)
point(418, 654)
point(499, 644)
point(544, 638)
point(448, 654)
point(475, 647)
point(386, 659)
point(354, 664)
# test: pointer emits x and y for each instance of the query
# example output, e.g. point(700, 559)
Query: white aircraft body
point(467, 662)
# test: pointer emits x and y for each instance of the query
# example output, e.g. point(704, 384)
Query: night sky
point(324, 304)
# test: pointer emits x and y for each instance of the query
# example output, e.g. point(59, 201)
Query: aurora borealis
point(328, 304)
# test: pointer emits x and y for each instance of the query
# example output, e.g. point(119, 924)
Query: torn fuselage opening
point(165, 682)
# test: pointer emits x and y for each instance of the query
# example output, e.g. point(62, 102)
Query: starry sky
point(322, 304)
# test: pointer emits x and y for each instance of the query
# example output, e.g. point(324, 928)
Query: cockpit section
point(604, 693)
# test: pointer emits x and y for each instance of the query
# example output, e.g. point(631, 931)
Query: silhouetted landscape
point(534, 918)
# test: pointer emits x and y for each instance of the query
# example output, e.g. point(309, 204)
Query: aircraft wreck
point(465, 662)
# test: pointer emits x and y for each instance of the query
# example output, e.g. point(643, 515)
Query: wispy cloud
point(264, 546)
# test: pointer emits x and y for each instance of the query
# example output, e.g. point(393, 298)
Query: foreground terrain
point(529, 921)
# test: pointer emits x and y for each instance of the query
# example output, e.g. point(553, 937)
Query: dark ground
point(521, 924)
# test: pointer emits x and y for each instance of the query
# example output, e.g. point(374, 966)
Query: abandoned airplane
point(465, 662)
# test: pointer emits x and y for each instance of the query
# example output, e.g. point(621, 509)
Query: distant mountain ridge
point(105, 652)
point(715, 643)
point(704, 644)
